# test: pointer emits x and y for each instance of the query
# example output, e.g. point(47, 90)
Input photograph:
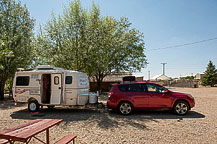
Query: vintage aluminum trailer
point(51, 86)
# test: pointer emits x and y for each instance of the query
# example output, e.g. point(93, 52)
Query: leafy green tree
point(115, 47)
point(62, 40)
point(86, 41)
point(210, 75)
point(189, 77)
point(16, 33)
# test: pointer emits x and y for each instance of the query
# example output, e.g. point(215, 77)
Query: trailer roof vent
point(45, 67)
point(20, 69)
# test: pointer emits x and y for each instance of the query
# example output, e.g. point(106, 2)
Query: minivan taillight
point(109, 95)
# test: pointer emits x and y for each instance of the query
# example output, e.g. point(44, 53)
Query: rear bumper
point(111, 104)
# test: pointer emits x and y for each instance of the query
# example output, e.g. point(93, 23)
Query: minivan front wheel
point(125, 108)
point(181, 108)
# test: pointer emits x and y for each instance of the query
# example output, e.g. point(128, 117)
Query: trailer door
point(56, 88)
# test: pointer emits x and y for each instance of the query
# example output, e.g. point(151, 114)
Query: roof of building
point(114, 77)
point(161, 77)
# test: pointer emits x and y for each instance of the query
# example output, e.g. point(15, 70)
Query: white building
point(160, 77)
point(199, 76)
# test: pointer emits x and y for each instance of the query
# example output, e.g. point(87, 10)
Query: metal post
point(163, 67)
point(148, 75)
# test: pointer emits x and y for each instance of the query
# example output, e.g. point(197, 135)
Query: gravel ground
point(99, 126)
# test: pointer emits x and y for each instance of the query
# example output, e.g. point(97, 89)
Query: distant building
point(139, 78)
point(199, 76)
point(116, 77)
point(160, 77)
point(108, 81)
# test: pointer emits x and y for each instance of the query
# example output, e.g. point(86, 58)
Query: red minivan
point(127, 97)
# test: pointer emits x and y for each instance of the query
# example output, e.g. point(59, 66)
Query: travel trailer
point(50, 86)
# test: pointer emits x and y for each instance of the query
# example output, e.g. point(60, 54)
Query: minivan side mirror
point(164, 90)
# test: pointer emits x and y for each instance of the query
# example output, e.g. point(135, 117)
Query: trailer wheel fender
point(31, 99)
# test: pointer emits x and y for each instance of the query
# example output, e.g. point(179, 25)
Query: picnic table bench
point(3, 141)
point(25, 132)
point(67, 139)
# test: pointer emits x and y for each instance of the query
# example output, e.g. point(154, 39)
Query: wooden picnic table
point(25, 132)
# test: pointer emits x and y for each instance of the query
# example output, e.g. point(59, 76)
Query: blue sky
point(164, 23)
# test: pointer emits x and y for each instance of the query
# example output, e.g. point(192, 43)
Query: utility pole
point(148, 75)
point(163, 67)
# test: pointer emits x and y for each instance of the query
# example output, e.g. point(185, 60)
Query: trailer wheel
point(33, 106)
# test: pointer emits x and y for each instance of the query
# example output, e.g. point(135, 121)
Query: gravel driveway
point(98, 126)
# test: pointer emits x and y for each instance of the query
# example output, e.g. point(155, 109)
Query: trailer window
point(22, 81)
point(56, 80)
point(68, 80)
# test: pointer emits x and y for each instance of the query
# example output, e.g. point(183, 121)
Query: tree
point(86, 41)
point(61, 42)
point(189, 77)
point(16, 35)
point(210, 75)
point(116, 47)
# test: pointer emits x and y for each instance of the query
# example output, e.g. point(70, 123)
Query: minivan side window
point(136, 88)
point(68, 80)
point(154, 88)
point(123, 88)
point(22, 81)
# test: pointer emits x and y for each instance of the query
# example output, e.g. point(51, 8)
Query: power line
point(181, 45)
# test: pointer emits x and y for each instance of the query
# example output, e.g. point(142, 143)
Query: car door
point(157, 97)
point(138, 95)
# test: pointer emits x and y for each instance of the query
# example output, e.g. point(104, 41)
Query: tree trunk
point(2, 87)
point(99, 79)
point(99, 85)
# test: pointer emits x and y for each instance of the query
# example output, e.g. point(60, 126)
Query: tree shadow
point(104, 119)
point(9, 104)
point(167, 114)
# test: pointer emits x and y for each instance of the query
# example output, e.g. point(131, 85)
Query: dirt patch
point(101, 126)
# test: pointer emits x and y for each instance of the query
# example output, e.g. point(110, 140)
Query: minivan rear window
point(123, 88)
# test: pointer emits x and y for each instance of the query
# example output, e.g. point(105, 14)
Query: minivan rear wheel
point(181, 108)
point(125, 108)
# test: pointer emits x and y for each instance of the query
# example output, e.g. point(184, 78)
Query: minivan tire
point(125, 108)
point(181, 107)
point(33, 106)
